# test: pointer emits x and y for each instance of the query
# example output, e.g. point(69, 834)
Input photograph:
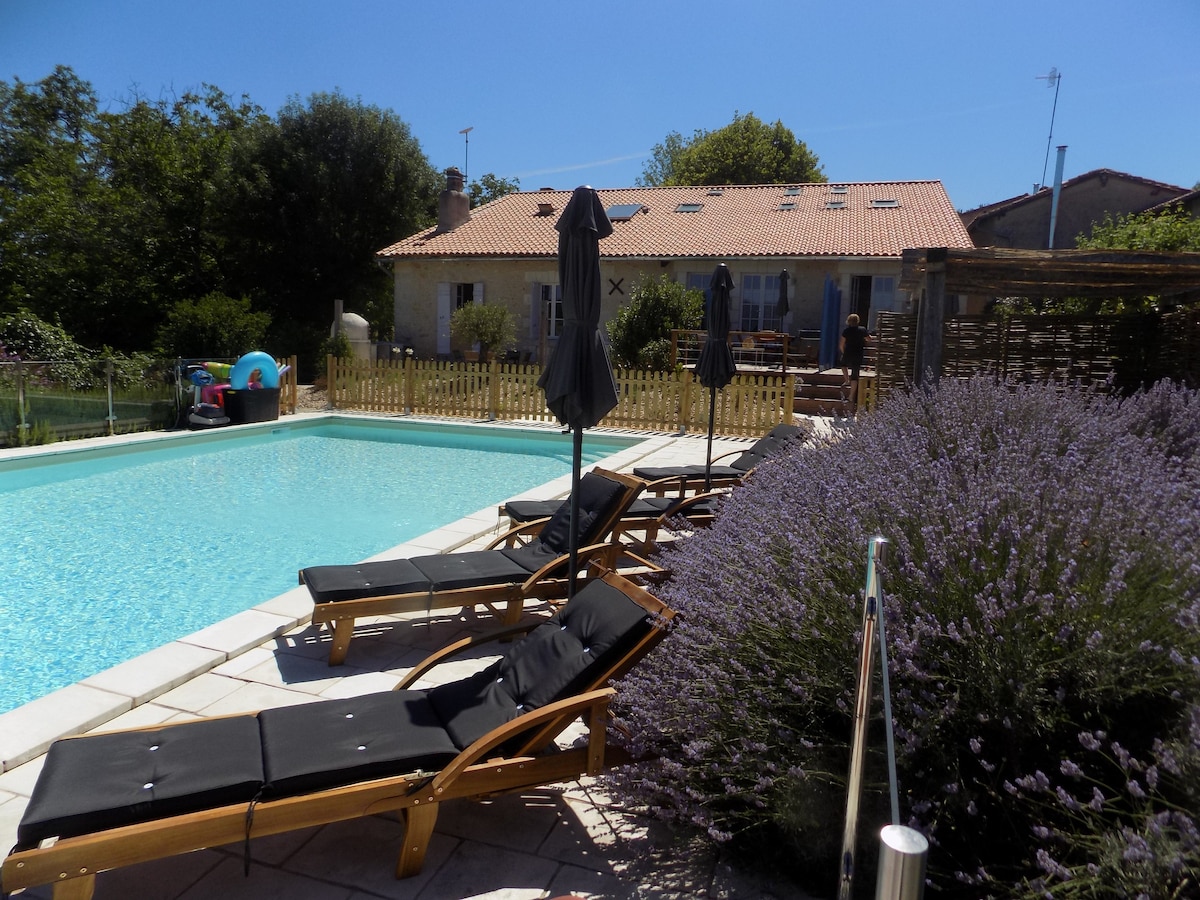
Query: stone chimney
point(454, 206)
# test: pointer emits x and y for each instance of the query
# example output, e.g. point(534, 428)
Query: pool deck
point(563, 839)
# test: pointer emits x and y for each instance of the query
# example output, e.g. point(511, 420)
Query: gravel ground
point(309, 398)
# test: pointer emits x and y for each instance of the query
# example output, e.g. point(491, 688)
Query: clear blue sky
point(561, 93)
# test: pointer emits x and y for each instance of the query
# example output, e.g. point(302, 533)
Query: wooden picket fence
point(656, 401)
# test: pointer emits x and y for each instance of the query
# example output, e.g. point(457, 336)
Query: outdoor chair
point(508, 572)
point(646, 516)
point(774, 443)
point(114, 799)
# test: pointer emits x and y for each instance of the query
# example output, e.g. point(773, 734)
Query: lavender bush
point(1043, 623)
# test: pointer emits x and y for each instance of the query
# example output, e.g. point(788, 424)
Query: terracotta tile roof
point(732, 222)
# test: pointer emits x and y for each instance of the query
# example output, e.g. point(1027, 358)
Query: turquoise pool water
point(107, 554)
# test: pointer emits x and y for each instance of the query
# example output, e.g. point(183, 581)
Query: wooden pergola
point(932, 273)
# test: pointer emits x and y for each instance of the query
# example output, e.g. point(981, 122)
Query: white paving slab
point(159, 670)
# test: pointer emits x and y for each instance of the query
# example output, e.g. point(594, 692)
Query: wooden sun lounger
point(510, 572)
point(87, 814)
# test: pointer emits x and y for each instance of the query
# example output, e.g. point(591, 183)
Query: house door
point(860, 297)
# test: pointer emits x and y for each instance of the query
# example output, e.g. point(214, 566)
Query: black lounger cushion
point(773, 443)
point(597, 494)
point(658, 473)
point(704, 507)
point(532, 510)
point(104, 781)
point(469, 569)
point(552, 662)
point(328, 584)
point(313, 746)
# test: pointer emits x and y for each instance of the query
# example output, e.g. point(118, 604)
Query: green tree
point(489, 326)
point(1173, 231)
point(164, 166)
point(106, 217)
point(50, 194)
point(659, 170)
point(215, 326)
point(313, 196)
point(747, 151)
point(489, 187)
point(640, 333)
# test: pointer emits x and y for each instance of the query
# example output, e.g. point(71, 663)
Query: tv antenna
point(1052, 80)
point(466, 133)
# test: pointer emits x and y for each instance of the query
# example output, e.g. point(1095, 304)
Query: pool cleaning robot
point(204, 414)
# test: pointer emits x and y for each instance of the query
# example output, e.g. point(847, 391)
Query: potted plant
point(488, 326)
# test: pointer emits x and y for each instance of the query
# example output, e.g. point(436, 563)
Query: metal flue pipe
point(1058, 174)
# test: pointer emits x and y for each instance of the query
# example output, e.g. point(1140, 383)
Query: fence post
point(108, 377)
point(22, 425)
point(494, 389)
point(408, 386)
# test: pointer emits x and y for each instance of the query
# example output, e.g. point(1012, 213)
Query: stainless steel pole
point(886, 686)
point(858, 747)
point(902, 854)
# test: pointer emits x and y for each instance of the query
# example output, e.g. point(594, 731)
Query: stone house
point(506, 252)
point(1023, 223)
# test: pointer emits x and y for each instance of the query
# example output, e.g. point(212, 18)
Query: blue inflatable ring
point(239, 375)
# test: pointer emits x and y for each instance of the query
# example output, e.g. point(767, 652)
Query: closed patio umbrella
point(783, 307)
point(715, 368)
point(578, 379)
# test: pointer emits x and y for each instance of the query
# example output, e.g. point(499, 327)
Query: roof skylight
point(623, 212)
point(885, 203)
point(838, 189)
point(835, 204)
point(689, 207)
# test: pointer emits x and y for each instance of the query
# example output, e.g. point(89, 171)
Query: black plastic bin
point(260, 405)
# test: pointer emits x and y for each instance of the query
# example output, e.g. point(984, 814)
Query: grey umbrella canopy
point(715, 368)
point(578, 379)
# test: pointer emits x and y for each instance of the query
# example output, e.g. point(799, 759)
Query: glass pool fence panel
point(45, 401)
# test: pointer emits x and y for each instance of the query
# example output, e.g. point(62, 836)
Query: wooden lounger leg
point(343, 630)
point(75, 888)
point(512, 612)
point(418, 829)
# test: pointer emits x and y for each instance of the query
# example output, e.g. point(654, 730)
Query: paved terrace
point(563, 839)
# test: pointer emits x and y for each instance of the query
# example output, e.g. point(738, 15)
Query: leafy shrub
point(212, 327)
point(1042, 602)
point(640, 332)
point(488, 325)
point(24, 335)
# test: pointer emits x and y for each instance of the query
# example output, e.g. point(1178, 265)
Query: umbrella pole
point(712, 415)
point(576, 465)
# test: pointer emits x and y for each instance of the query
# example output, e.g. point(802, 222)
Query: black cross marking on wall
point(616, 287)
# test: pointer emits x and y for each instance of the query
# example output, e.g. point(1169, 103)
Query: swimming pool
point(113, 551)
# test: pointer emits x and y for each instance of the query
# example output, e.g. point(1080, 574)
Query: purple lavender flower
point(1042, 609)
